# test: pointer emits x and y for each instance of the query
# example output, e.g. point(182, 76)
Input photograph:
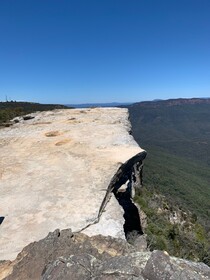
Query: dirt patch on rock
point(52, 133)
point(62, 142)
point(38, 123)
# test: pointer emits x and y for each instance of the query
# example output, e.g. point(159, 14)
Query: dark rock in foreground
point(64, 255)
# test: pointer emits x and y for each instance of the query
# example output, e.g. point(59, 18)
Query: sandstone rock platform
point(54, 172)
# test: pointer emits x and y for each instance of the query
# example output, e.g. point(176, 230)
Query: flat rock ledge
point(55, 168)
point(63, 255)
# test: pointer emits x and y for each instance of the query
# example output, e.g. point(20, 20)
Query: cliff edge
point(55, 169)
point(78, 169)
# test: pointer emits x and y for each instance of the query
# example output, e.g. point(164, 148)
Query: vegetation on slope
point(171, 229)
point(176, 135)
point(182, 130)
point(12, 109)
point(185, 182)
point(177, 139)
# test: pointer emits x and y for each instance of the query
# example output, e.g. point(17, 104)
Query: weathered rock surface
point(55, 168)
point(55, 171)
point(63, 255)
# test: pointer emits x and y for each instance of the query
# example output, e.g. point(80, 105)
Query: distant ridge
point(88, 105)
point(172, 102)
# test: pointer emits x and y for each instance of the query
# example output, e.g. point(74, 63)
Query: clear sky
point(65, 51)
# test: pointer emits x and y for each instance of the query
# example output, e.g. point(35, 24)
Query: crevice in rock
point(132, 225)
point(125, 183)
point(1, 220)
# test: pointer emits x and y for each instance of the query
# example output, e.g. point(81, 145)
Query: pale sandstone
point(54, 172)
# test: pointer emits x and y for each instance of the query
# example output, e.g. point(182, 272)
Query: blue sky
point(63, 51)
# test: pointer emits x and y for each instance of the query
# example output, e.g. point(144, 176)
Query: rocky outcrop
point(63, 255)
point(55, 172)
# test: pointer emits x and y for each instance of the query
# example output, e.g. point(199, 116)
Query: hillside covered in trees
point(176, 136)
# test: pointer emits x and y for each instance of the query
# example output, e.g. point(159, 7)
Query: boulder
point(64, 255)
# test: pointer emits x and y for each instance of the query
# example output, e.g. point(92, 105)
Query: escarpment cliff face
point(55, 171)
